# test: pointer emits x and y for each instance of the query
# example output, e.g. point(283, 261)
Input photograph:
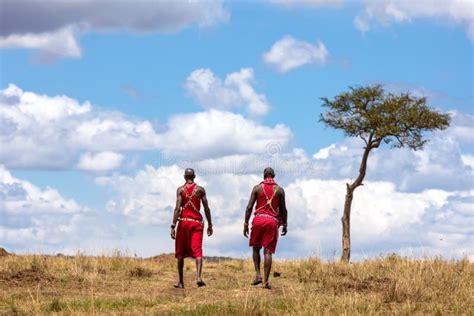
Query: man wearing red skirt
point(189, 233)
point(270, 213)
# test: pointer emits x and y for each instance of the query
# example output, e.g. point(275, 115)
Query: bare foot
point(200, 283)
point(267, 286)
point(257, 280)
point(179, 286)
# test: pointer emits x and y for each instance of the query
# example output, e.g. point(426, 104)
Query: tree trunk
point(346, 225)
point(346, 217)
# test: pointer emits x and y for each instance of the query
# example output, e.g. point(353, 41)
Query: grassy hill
point(125, 285)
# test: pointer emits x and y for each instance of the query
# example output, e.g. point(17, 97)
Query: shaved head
point(189, 173)
point(268, 173)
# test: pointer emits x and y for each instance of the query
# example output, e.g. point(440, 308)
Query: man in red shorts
point(270, 213)
point(189, 233)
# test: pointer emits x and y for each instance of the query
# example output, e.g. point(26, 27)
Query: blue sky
point(141, 73)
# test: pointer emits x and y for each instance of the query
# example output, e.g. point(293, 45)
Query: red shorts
point(264, 233)
point(189, 240)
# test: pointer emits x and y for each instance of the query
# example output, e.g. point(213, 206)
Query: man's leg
point(199, 280)
point(267, 267)
point(256, 263)
point(198, 268)
point(180, 273)
point(196, 246)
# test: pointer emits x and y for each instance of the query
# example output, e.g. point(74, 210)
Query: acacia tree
point(376, 116)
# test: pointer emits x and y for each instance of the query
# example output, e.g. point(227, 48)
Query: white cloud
point(48, 132)
point(39, 131)
point(289, 53)
point(215, 133)
point(53, 28)
point(361, 24)
point(61, 43)
point(399, 11)
point(405, 192)
point(446, 230)
point(146, 198)
point(412, 171)
point(32, 217)
point(235, 91)
point(323, 153)
point(468, 160)
point(462, 128)
point(102, 161)
point(51, 109)
point(380, 213)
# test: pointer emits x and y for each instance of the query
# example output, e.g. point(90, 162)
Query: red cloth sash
point(191, 202)
point(267, 201)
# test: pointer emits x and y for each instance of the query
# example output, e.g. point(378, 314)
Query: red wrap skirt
point(264, 233)
point(189, 239)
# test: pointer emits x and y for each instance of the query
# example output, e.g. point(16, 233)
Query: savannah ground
point(124, 285)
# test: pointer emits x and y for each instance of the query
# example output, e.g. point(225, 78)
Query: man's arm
point(248, 211)
point(283, 212)
point(177, 211)
point(207, 211)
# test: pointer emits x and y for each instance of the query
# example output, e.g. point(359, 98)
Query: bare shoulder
point(280, 190)
point(180, 189)
point(257, 188)
point(200, 189)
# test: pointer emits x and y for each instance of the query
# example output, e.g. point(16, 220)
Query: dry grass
point(123, 285)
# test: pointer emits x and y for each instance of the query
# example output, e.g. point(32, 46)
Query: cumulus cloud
point(234, 91)
point(52, 28)
point(323, 153)
point(383, 219)
point(406, 192)
point(48, 132)
point(32, 217)
point(40, 131)
point(289, 53)
point(390, 11)
point(216, 133)
point(406, 205)
point(60, 43)
point(468, 160)
point(442, 230)
point(102, 161)
point(380, 213)
point(146, 198)
point(462, 128)
point(412, 171)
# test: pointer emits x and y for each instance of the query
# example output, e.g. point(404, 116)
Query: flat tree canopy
point(375, 116)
